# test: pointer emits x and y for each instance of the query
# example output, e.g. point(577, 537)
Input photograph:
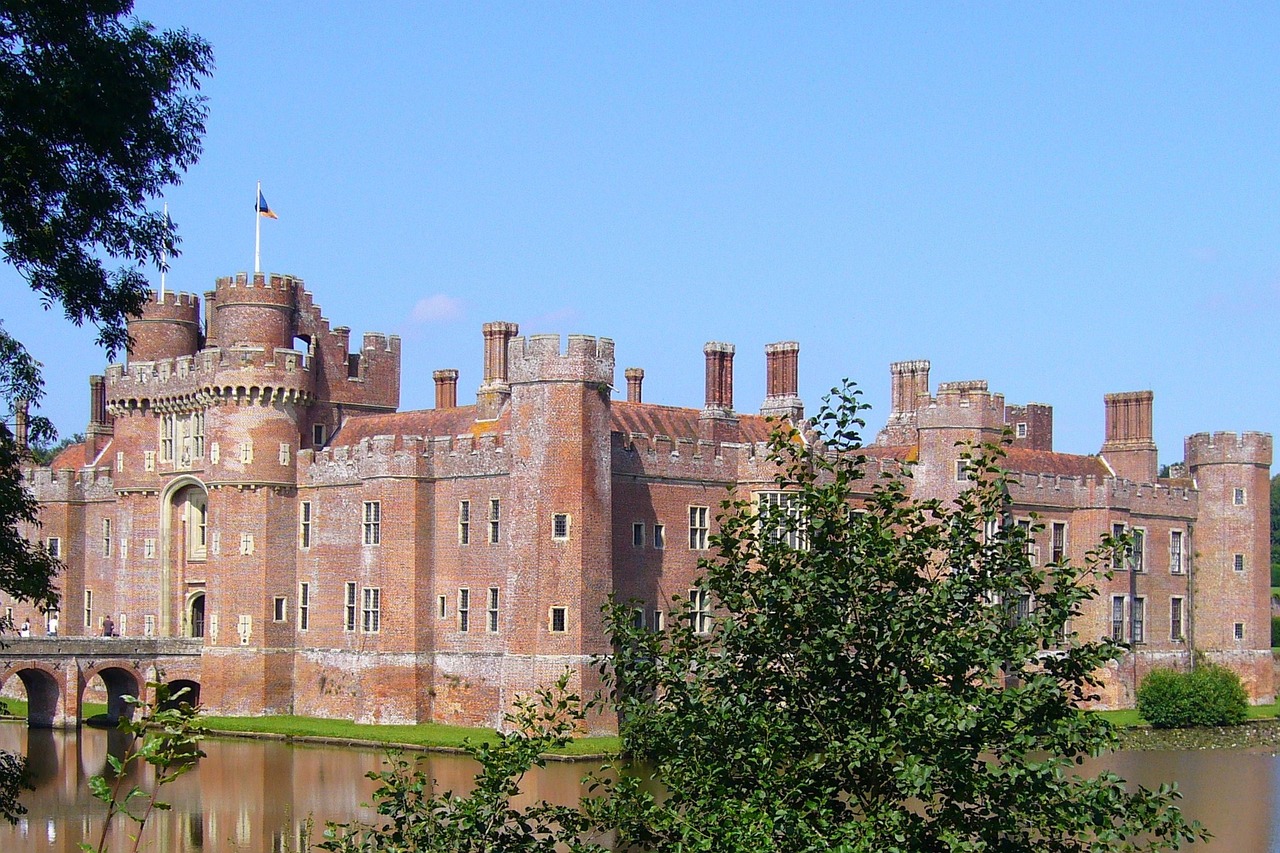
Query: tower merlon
point(539, 358)
point(1228, 448)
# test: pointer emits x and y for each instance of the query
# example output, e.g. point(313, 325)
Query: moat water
point(250, 795)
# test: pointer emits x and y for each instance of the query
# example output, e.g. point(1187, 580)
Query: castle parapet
point(963, 405)
point(539, 359)
point(1227, 448)
point(169, 326)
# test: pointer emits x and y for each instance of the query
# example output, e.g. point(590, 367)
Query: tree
point(898, 676)
point(98, 113)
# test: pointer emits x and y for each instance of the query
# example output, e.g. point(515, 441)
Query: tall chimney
point(20, 412)
point(1130, 448)
point(782, 382)
point(446, 388)
point(635, 378)
point(495, 390)
point(99, 429)
point(719, 375)
point(909, 383)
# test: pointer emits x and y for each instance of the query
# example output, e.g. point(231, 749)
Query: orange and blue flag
point(262, 208)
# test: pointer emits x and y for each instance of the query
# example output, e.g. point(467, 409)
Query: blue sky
point(1063, 201)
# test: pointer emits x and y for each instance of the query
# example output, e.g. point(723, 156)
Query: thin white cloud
point(438, 308)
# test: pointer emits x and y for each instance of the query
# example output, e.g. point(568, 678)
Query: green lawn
point(18, 708)
point(1130, 717)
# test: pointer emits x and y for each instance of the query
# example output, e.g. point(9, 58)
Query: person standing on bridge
point(108, 627)
point(25, 630)
point(53, 624)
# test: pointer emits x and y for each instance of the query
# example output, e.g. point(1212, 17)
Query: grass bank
point(1130, 717)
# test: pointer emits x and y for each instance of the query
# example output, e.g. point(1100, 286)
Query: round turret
point(169, 327)
point(1227, 448)
point(253, 312)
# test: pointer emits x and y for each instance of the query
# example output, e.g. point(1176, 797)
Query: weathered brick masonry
point(251, 483)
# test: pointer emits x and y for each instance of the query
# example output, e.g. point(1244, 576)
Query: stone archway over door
point(183, 532)
point(195, 614)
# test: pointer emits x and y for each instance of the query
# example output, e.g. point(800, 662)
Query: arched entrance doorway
point(184, 525)
point(195, 615)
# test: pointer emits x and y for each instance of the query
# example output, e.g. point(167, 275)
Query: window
point(372, 522)
point(106, 537)
point(371, 609)
point(1237, 497)
point(1029, 543)
point(464, 609)
point(493, 609)
point(1118, 561)
point(1175, 552)
point(317, 435)
point(699, 612)
point(962, 471)
point(659, 536)
point(442, 606)
point(637, 534)
point(280, 608)
point(1137, 551)
point(88, 608)
point(1138, 630)
point(1176, 612)
point(167, 430)
point(560, 526)
point(637, 618)
point(659, 620)
point(464, 523)
point(349, 617)
point(149, 625)
point(1237, 562)
point(119, 461)
point(304, 524)
point(1022, 609)
point(495, 520)
point(246, 452)
point(54, 546)
point(779, 511)
point(304, 606)
point(1058, 541)
point(1239, 631)
point(559, 620)
point(215, 453)
point(198, 527)
point(197, 435)
point(697, 528)
point(1021, 429)
point(1117, 618)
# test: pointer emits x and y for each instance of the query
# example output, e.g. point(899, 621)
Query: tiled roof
point(73, 456)
point(1029, 461)
point(460, 420)
point(676, 422)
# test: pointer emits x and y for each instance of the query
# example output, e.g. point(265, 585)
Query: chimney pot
point(446, 388)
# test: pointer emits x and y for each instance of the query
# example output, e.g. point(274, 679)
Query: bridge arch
point(184, 513)
point(121, 679)
point(45, 700)
point(191, 696)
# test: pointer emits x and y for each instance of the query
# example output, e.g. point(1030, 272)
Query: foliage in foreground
point(168, 733)
point(414, 818)
point(903, 681)
point(1209, 695)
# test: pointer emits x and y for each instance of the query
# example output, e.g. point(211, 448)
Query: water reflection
point(258, 795)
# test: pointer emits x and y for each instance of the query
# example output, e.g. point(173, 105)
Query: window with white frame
point(559, 620)
point(493, 610)
point(495, 520)
point(963, 467)
point(698, 528)
point(660, 536)
point(1138, 550)
point(1119, 558)
point(1058, 541)
point(54, 546)
point(106, 537)
point(1237, 562)
point(442, 606)
point(349, 605)
point(304, 606)
point(464, 522)
point(1238, 497)
point(560, 525)
point(371, 609)
point(699, 611)
point(780, 513)
point(279, 608)
point(1238, 631)
point(317, 435)
point(464, 609)
point(1138, 620)
point(168, 424)
point(1117, 618)
point(372, 522)
point(1177, 611)
point(659, 620)
point(1020, 430)
point(197, 525)
point(304, 524)
point(637, 534)
point(1175, 552)
point(88, 608)
point(119, 461)
point(1030, 548)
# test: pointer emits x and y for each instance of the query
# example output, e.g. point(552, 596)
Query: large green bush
point(1275, 631)
point(1209, 695)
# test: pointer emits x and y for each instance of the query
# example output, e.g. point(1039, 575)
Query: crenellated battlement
point(1227, 448)
point(538, 359)
point(966, 404)
point(169, 326)
point(1071, 492)
point(260, 287)
point(191, 381)
point(428, 457)
point(49, 485)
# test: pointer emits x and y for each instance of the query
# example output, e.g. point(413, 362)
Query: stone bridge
point(56, 671)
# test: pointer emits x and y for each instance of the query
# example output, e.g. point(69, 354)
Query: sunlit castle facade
point(247, 483)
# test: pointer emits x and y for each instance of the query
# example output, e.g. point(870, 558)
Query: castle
point(250, 485)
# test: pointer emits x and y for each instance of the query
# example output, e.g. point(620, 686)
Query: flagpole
point(257, 227)
point(164, 253)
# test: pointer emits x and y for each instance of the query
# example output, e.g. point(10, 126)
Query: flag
point(168, 241)
point(262, 208)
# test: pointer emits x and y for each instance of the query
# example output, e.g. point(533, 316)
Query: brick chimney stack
point(909, 384)
point(99, 430)
point(446, 388)
point(719, 376)
point(635, 379)
point(1130, 448)
point(782, 381)
point(496, 388)
point(20, 413)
